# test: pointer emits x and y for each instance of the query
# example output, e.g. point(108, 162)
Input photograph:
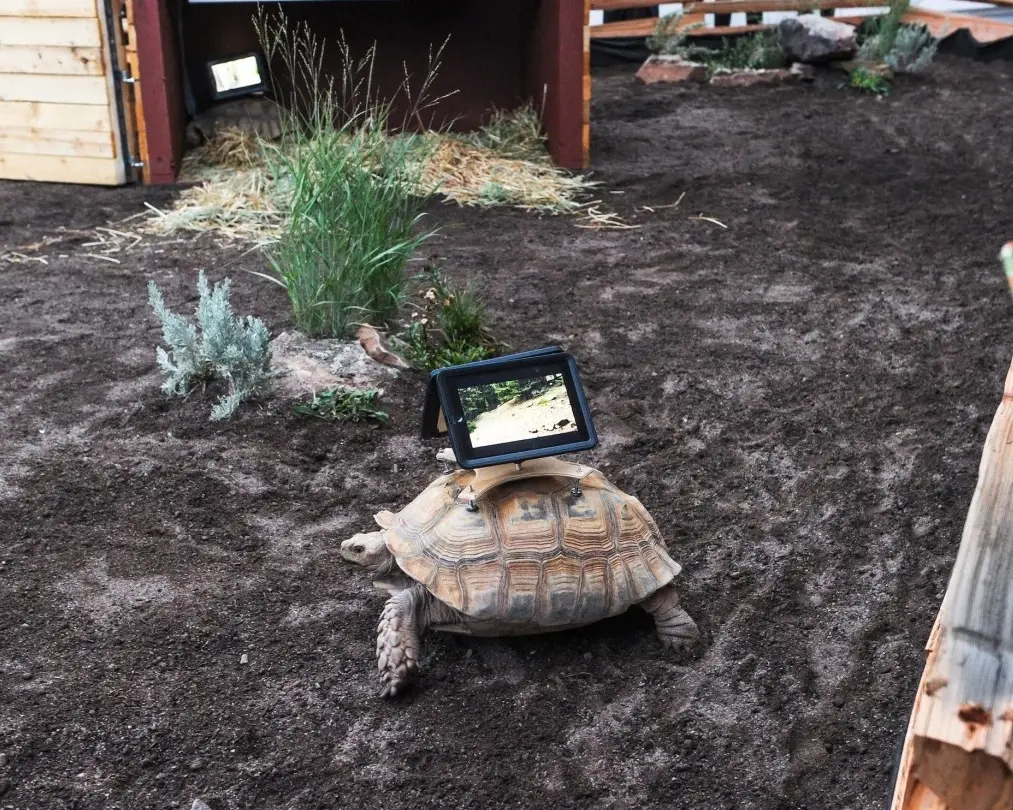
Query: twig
point(672, 205)
point(101, 256)
point(711, 219)
point(18, 258)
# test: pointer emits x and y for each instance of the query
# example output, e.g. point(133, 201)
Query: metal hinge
point(135, 163)
point(126, 78)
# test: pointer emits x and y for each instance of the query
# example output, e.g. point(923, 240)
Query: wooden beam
point(55, 169)
point(47, 8)
point(87, 117)
point(82, 33)
point(957, 755)
point(751, 6)
point(45, 142)
point(644, 28)
point(942, 24)
point(51, 60)
point(54, 89)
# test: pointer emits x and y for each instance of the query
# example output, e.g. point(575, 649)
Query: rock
point(671, 69)
point(199, 804)
point(815, 39)
point(310, 366)
point(748, 78)
point(802, 71)
point(244, 659)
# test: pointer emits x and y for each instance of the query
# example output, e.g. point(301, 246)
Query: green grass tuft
point(344, 405)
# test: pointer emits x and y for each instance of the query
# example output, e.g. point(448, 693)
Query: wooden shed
point(63, 113)
point(99, 91)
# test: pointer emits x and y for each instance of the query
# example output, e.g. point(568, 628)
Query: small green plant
point(219, 347)
point(758, 51)
point(515, 134)
point(353, 209)
point(903, 47)
point(869, 82)
point(913, 50)
point(344, 405)
point(492, 193)
point(448, 325)
point(669, 37)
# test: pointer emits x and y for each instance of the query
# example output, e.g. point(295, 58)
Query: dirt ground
point(800, 398)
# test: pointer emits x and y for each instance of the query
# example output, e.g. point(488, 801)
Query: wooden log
point(62, 169)
point(51, 60)
point(956, 754)
point(54, 89)
point(55, 116)
point(83, 33)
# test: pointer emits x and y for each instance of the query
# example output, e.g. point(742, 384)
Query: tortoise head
point(366, 549)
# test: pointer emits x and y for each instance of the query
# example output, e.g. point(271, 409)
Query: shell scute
point(532, 555)
point(528, 525)
point(523, 577)
point(483, 587)
point(561, 589)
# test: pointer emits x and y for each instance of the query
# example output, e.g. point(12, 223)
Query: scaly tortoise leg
point(674, 626)
point(405, 617)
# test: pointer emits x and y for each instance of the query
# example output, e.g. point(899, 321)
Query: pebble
point(244, 659)
point(198, 804)
point(839, 702)
point(588, 656)
point(3, 760)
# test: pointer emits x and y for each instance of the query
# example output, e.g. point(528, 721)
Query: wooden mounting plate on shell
point(486, 478)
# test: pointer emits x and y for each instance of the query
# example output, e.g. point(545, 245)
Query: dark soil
point(800, 398)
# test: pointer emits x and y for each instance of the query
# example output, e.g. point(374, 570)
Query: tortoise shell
point(533, 555)
point(254, 116)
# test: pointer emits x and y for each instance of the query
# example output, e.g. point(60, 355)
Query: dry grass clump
point(505, 163)
point(474, 175)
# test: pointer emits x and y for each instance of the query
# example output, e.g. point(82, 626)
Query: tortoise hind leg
point(674, 626)
point(405, 617)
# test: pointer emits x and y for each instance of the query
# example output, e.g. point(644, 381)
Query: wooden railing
point(939, 23)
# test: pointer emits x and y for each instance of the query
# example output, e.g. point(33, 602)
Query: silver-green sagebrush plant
point(219, 347)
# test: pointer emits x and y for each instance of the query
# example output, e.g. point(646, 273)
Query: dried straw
point(475, 176)
point(236, 197)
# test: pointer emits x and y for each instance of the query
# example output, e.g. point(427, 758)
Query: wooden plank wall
point(58, 115)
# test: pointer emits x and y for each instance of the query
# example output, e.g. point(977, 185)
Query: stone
point(309, 366)
point(748, 78)
point(814, 39)
point(802, 71)
point(199, 804)
point(671, 69)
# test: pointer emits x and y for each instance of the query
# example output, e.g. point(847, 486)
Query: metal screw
point(576, 492)
point(472, 506)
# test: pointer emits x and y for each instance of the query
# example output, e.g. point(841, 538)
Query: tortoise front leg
point(405, 617)
point(674, 626)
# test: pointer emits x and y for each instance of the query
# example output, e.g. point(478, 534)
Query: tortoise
point(254, 116)
point(529, 556)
